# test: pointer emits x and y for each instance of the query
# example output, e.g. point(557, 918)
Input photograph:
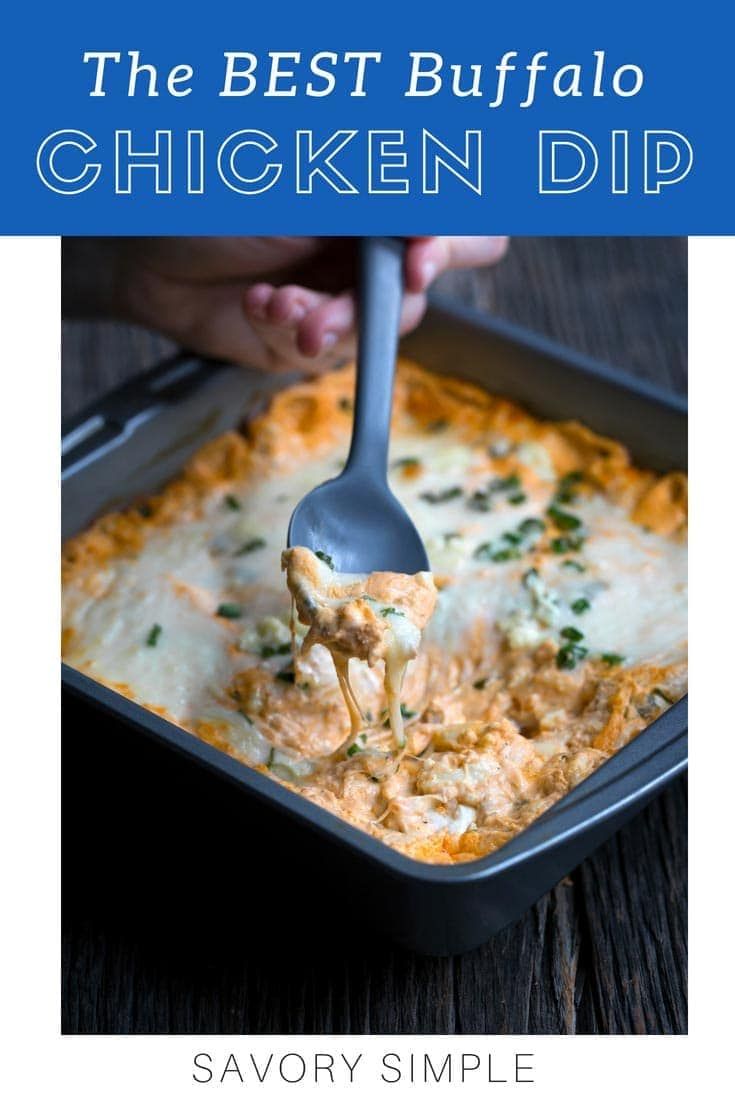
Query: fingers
point(428, 257)
point(309, 330)
point(277, 315)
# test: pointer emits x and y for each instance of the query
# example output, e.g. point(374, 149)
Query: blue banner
point(532, 118)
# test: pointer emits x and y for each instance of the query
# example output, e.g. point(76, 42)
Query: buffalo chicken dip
point(442, 712)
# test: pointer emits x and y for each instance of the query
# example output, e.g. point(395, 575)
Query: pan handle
point(116, 413)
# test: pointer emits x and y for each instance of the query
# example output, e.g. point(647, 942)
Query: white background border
point(40, 1063)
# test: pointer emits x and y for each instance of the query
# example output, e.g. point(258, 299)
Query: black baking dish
point(138, 437)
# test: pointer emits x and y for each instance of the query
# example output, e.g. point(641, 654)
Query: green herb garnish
point(531, 524)
point(560, 545)
point(506, 485)
point(505, 554)
point(271, 756)
point(407, 713)
point(153, 635)
point(354, 748)
point(391, 611)
point(568, 656)
point(566, 492)
point(406, 461)
point(517, 499)
point(269, 651)
point(480, 501)
point(580, 605)
point(572, 633)
point(439, 497)
point(572, 564)
point(229, 610)
point(232, 502)
point(484, 552)
point(612, 659)
point(325, 558)
point(245, 716)
point(566, 521)
point(252, 545)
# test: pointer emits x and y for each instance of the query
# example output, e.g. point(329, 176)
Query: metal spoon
point(355, 518)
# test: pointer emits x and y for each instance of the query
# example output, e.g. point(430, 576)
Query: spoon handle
point(379, 311)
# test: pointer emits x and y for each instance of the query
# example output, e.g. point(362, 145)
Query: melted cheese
point(373, 618)
point(558, 633)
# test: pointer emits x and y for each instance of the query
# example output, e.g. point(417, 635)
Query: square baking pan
point(138, 437)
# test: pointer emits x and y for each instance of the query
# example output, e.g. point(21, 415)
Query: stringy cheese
point(372, 618)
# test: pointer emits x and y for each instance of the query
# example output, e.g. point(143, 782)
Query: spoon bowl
point(360, 524)
point(355, 518)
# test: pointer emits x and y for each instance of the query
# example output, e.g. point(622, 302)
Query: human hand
point(279, 303)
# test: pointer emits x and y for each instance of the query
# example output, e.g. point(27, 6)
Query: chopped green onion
point(662, 694)
point(325, 558)
point(252, 545)
point(480, 501)
point(439, 497)
point(505, 485)
point(505, 554)
point(232, 502)
point(566, 521)
point(245, 716)
point(531, 524)
point(354, 748)
point(391, 611)
point(517, 499)
point(268, 651)
point(512, 537)
point(153, 635)
point(566, 492)
point(568, 656)
point(612, 659)
point(572, 633)
point(572, 564)
point(580, 605)
point(560, 545)
point(229, 611)
point(271, 756)
point(406, 461)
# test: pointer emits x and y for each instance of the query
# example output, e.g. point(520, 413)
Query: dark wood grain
point(604, 952)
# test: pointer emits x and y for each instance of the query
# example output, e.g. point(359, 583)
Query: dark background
point(171, 925)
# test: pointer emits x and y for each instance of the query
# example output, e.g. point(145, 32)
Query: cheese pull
point(374, 617)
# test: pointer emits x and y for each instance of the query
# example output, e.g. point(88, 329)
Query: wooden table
point(604, 952)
